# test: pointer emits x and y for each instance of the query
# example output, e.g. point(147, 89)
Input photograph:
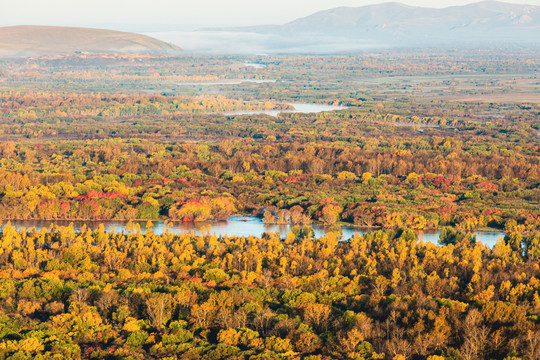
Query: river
point(235, 226)
point(298, 108)
point(255, 65)
point(227, 82)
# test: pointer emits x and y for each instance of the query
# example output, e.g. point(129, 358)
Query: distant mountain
point(43, 40)
point(489, 22)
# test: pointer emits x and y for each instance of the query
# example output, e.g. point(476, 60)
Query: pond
point(235, 226)
point(298, 108)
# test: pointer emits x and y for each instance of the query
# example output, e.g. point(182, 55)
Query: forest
point(120, 157)
point(423, 140)
point(384, 295)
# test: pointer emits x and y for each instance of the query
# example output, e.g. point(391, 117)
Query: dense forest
point(148, 157)
point(379, 296)
point(421, 184)
point(425, 140)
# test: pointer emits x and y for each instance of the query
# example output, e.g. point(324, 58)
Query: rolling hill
point(44, 40)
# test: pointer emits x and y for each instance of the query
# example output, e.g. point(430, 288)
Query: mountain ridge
point(495, 21)
point(35, 40)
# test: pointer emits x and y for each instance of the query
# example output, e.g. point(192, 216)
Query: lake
point(298, 108)
point(235, 226)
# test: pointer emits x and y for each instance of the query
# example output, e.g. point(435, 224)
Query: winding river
point(235, 226)
point(227, 82)
point(298, 108)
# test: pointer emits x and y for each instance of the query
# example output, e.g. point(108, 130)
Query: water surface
point(298, 108)
point(255, 65)
point(228, 82)
point(235, 226)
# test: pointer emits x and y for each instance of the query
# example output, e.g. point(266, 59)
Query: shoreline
point(249, 218)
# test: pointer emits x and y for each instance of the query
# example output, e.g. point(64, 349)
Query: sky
point(185, 15)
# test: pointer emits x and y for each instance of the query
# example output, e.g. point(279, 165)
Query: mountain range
point(395, 24)
point(342, 29)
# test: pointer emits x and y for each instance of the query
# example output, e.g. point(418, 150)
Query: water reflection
point(227, 82)
point(235, 226)
point(298, 108)
point(255, 65)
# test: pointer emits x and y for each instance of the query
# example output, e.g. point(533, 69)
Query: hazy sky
point(157, 15)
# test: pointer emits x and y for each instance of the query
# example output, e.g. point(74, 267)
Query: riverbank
point(235, 226)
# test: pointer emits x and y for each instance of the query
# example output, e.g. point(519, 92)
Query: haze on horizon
point(162, 15)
